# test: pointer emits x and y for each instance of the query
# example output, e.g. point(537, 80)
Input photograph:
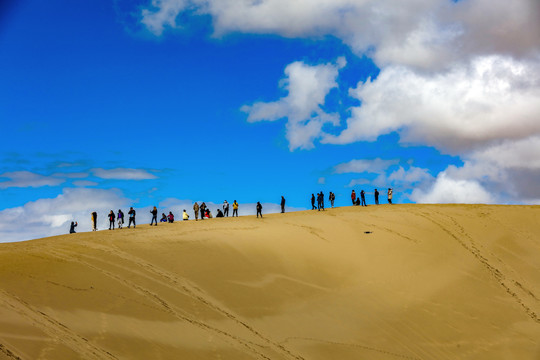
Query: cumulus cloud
point(307, 87)
point(448, 190)
point(420, 33)
point(457, 110)
point(28, 179)
point(52, 216)
point(123, 174)
point(460, 76)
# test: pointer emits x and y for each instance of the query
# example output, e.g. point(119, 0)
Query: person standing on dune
point(235, 208)
point(353, 197)
point(196, 210)
point(154, 216)
point(131, 214)
point(259, 209)
point(376, 197)
point(313, 202)
point(111, 219)
point(120, 218)
point(390, 194)
point(226, 208)
point(363, 197)
point(282, 204)
point(94, 221)
point(332, 198)
point(202, 208)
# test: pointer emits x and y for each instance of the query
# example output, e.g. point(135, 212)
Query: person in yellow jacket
point(185, 215)
point(235, 208)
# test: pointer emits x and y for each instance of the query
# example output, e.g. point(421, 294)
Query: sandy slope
point(425, 282)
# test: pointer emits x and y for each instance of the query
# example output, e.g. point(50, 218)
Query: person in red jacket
point(353, 197)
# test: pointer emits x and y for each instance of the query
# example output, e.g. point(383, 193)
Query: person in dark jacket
point(313, 202)
point(112, 217)
point(363, 197)
point(219, 213)
point(376, 197)
point(120, 218)
point(131, 214)
point(202, 208)
point(94, 221)
point(72, 228)
point(259, 209)
point(154, 216)
point(282, 204)
point(163, 218)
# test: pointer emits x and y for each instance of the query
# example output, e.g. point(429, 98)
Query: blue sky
point(137, 103)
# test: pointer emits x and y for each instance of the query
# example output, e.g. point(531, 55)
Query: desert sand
point(382, 282)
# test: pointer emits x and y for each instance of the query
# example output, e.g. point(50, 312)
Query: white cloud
point(48, 217)
point(28, 179)
point(409, 176)
point(464, 108)
point(307, 87)
point(448, 190)
point(377, 166)
point(463, 77)
point(425, 34)
point(123, 174)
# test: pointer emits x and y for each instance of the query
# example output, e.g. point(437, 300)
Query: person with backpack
point(120, 218)
point(259, 209)
point(154, 216)
point(131, 214)
point(111, 219)
point(332, 197)
point(235, 208)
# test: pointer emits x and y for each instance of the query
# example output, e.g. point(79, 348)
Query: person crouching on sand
point(185, 215)
point(163, 218)
point(72, 228)
point(170, 217)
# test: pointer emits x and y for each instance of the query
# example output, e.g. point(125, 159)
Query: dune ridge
point(382, 282)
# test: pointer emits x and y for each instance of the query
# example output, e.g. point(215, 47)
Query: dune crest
point(382, 282)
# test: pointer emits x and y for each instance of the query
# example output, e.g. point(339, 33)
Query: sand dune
point(386, 282)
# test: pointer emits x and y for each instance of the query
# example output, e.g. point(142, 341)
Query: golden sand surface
point(378, 282)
